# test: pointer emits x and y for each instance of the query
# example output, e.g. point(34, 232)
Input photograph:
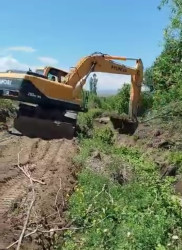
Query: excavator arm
point(104, 63)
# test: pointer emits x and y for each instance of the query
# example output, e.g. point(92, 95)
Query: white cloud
point(21, 49)
point(9, 62)
point(48, 60)
point(110, 82)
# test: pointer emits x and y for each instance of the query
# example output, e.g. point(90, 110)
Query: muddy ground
point(51, 163)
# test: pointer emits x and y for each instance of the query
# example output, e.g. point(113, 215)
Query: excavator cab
point(53, 74)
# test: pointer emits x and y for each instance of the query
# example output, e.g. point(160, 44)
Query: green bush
point(108, 103)
point(176, 159)
point(118, 103)
point(94, 101)
point(85, 121)
point(122, 99)
point(7, 105)
point(105, 134)
point(146, 103)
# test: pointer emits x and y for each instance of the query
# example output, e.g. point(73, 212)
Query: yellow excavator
point(50, 98)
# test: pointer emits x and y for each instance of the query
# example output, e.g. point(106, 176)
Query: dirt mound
point(47, 161)
point(158, 141)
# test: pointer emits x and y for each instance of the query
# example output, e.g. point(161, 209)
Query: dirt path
point(48, 161)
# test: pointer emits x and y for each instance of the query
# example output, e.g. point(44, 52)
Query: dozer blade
point(45, 129)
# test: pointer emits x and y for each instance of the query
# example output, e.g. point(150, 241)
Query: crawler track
point(48, 161)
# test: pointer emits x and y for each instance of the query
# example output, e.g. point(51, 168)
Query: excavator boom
point(105, 64)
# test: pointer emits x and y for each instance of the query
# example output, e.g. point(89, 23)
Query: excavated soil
point(47, 161)
point(157, 141)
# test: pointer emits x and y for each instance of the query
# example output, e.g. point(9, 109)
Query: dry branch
point(56, 205)
point(48, 231)
point(26, 171)
point(27, 235)
point(53, 230)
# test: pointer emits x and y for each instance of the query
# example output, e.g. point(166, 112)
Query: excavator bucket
point(123, 124)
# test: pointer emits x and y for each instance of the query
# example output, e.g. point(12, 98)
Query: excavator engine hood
point(10, 87)
point(22, 88)
point(14, 85)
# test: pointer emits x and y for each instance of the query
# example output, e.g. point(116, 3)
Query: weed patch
point(85, 122)
point(142, 214)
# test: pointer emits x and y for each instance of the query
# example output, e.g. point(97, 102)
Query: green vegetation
point(138, 214)
point(93, 84)
point(7, 110)
point(105, 135)
point(85, 121)
point(6, 104)
point(164, 76)
point(175, 158)
point(121, 200)
point(120, 102)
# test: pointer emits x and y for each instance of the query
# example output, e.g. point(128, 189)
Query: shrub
point(85, 121)
point(146, 102)
point(176, 159)
point(105, 134)
point(93, 101)
point(7, 105)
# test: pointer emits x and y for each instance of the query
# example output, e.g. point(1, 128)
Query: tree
point(122, 99)
point(93, 84)
point(165, 74)
point(148, 78)
point(175, 27)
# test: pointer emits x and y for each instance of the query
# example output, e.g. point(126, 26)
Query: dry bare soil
point(47, 161)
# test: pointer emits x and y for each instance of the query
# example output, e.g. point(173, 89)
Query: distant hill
point(107, 92)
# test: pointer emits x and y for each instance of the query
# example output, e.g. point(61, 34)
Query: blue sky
point(60, 32)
